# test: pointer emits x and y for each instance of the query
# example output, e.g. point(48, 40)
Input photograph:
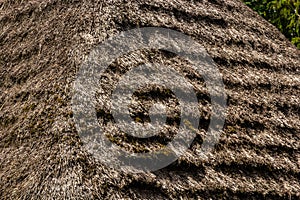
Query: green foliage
point(284, 14)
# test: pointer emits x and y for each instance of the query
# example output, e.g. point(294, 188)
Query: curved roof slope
point(43, 44)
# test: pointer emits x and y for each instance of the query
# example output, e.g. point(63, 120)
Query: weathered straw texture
point(43, 44)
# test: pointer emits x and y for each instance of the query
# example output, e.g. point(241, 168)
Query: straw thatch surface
point(43, 44)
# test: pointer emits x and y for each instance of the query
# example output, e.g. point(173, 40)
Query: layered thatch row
point(43, 44)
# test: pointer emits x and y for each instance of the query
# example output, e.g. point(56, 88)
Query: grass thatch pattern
point(43, 44)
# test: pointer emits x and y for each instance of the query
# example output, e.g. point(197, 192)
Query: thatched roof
point(43, 44)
